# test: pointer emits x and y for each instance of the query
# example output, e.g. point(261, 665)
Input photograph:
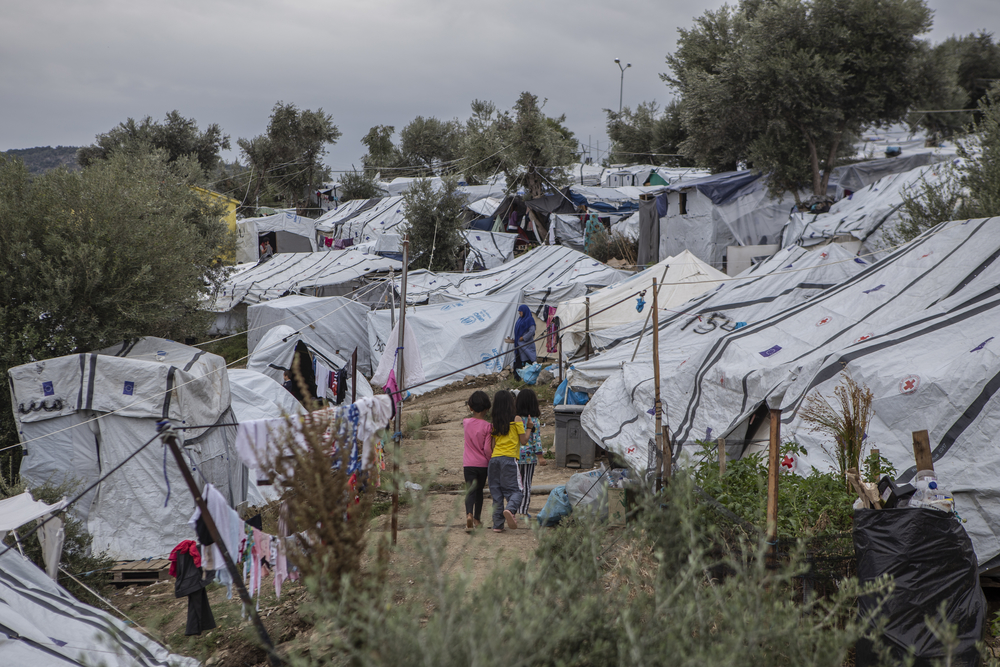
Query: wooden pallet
point(129, 572)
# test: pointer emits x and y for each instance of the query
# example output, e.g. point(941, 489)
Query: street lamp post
point(621, 87)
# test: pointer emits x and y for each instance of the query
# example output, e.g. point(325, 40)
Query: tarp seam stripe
point(193, 360)
point(166, 395)
point(90, 381)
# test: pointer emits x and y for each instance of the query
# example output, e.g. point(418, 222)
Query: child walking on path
point(529, 412)
point(476, 457)
point(508, 436)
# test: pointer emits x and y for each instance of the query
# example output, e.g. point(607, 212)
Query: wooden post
point(170, 439)
point(400, 384)
point(354, 376)
point(722, 457)
point(773, 451)
point(664, 462)
point(587, 326)
point(922, 450)
point(648, 314)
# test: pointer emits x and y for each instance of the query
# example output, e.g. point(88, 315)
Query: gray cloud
point(71, 70)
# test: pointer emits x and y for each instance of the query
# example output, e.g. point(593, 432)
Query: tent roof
point(679, 279)
point(291, 272)
point(22, 508)
point(45, 625)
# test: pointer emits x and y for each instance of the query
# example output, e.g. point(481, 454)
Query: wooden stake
point(774, 446)
point(399, 383)
point(922, 450)
point(664, 450)
point(170, 439)
point(722, 457)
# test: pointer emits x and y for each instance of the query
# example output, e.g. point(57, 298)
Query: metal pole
point(170, 439)
point(587, 327)
point(399, 383)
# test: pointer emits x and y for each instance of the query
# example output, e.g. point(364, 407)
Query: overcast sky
point(70, 69)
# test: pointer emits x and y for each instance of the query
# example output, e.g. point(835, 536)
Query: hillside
point(41, 159)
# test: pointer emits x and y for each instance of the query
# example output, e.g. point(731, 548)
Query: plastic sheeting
point(619, 416)
point(22, 508)
point(327, 323)
point(679, 279)
point(930, 560)
point(44, 625)
point(125, 390)
point(452, 336)
point(918, 328)
point(488, 250)
point(314, 272)
point(867, 213)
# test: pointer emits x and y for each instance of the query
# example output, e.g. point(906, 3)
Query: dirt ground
point(431, 456)
point(433, 459)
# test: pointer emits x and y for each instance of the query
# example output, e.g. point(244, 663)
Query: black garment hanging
point(190, 583)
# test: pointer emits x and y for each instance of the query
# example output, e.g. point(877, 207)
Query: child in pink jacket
point(476, 457)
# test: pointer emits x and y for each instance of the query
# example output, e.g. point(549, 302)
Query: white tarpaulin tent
point(866, 213)
point(679, 279)
point(488, 250)
point(716, 391)
point(83, 414)
point(328, 323)
point(41, 624)
point(275, 352)
point(256, 396)
point(937, 370)
point(789, 278)
point(293, 233)
point(706, 215)
point(333, 273)
point(452, 336)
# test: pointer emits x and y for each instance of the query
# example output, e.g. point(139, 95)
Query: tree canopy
point(527, 146)
point(782, 84)
point(647, 136)
point(435, 221)
point(288, 159)
point(124, 248)
point(177, 136)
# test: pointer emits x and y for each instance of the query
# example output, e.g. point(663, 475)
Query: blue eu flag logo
point(47, 388)
point(129, 388)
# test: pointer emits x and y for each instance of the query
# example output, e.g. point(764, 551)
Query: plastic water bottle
point(930, 494)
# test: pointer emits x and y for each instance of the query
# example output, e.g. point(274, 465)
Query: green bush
point(658, 590)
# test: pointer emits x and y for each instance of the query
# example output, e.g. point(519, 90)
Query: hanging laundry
point(185, 565)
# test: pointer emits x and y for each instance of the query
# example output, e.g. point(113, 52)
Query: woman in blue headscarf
point(524, 338)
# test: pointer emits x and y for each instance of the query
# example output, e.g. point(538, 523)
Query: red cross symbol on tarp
point(631, 450)
point(909, 384)
point(823, 321)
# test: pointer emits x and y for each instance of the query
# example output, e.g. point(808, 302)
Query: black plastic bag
point(930, 557)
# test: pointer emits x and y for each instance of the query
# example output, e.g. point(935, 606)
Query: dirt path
point(434, 456)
